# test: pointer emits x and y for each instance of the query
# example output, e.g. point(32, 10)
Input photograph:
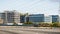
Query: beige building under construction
point(11, 17)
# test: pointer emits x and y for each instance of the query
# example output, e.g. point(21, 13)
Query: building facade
point(22, 18)
point(17, 17)
point(36, 18)
point(59, 15)
point(55, 18)
point(11, 17)
point(51, 19)
point(59, 19)
point(47, 19)
point(8, 17)
point(1, 18)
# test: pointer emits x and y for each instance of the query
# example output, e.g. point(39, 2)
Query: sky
point(46, 7)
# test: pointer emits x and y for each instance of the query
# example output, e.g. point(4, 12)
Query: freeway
point(27, 30)
point(7, 32)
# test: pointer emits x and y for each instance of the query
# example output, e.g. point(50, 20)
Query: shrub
point(28, 23)
point(44, 24)
point(56, 24)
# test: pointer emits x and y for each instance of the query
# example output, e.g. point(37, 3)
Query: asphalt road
point(20, 30)
point(28, 32)
point(7, 32)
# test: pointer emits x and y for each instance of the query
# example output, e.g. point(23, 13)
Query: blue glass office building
point(36, 18)
point(55, 18)
point(22, 18)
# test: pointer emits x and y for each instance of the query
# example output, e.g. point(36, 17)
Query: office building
point(59, 18)
point(17, 17)
point(47, 19)
point(55, 18)
point(8, 17)
point(36, 18)
point(22, 18)
point(11, 17)
point(1, 18)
